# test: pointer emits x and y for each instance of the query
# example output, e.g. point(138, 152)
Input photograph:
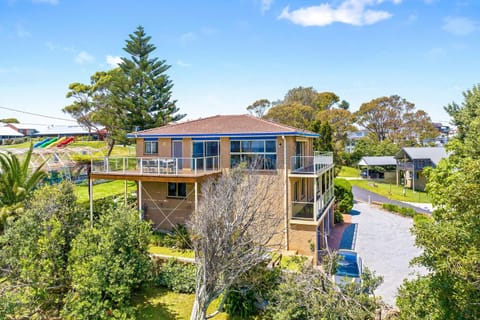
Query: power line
point(37, 114)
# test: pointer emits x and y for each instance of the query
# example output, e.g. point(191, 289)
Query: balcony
point(155, 166)
point(316, 164)
point(305, 210)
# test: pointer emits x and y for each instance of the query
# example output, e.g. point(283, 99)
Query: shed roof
point(223, 125)
point(378, 161)
point(62, 130)
point(435, 154)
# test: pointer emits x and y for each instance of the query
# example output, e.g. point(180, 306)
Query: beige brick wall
point(224, 152)
point(163, 211)
point(165, 147)
point(302, 238)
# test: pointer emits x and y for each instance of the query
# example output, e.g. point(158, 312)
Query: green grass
point(392, 191)
point(161, 304)
point(103, 190)
point(171, 252)
point(349, 172)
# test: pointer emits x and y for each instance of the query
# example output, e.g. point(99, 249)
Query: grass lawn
point(172, 252)
point(349, 172)
point(103, 190)
point(392, 191)
point(159, 303)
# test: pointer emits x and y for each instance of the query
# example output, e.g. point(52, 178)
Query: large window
point(151, 147)
point(177, 190)
point(206, 154)
point(259, 154)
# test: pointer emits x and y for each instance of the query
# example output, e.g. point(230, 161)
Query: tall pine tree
point(146, 97)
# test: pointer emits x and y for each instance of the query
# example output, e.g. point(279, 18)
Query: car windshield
point(348, 266)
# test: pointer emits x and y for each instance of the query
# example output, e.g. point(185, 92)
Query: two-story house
point(173, 161)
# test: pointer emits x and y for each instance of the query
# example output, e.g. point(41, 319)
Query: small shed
point(9, 133)
point(388, 163)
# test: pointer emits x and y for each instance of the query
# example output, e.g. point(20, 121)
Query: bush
point(179, 238)
point(177, 276)
point(337, 217)
point(343, 196)
point(241, 303)
point(406, 212)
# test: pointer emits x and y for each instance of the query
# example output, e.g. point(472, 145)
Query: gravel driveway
point(386, 246)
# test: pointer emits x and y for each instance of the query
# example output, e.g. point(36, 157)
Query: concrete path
point(385, 243)
point(363, 195)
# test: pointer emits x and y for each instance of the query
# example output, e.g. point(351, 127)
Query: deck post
point(90, 189)
point(196, 196)
point(125, 195)
point(315, 198)
point(140, 199)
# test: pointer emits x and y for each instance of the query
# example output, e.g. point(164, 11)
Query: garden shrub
point(177, 276)
point(179, 238)
point(406, 212)
point(343, 198)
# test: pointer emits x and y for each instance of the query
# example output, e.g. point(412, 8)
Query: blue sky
point(227, 54)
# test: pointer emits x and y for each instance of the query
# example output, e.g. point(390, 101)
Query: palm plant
point(17, 181)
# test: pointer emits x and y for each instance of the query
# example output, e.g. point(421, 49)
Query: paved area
point(364, 195)
point(385, 243)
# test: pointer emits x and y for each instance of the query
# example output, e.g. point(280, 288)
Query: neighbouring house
point(353, 137)
point(381, 167)
point(25, 129)
point(173, 161)
point(412, 161)
point(69, 131)
point(7, 133)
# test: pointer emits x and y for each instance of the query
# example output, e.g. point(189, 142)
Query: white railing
point(312, 164)
point(155, 166)
point(303, 210)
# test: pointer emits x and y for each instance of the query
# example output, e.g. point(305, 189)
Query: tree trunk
point(199, 309)
point(111, 144)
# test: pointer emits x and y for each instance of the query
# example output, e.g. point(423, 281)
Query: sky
point(224, 55)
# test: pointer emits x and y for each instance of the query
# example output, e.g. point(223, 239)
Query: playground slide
point(38, 144)
point(56, 142)
point(46, 143)
point(49, 142)
point(66, 142)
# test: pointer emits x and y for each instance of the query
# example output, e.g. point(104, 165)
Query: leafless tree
point(238, 217)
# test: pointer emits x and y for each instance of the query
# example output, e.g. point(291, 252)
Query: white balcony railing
point(155, 166)
point(302, 210)
point(317, 163)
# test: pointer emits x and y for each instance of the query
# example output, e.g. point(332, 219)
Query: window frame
point(177, 194)
point(248, 150)
point(147, 150)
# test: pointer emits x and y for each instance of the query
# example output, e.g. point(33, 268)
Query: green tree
point(259, 107)
point(146, 97)
point(451, 238)
point(295, 115)
point(9, 120)
point(394, 118)
point(106, 264)
point(325, 100)
point(17, 182)
point(34, 254)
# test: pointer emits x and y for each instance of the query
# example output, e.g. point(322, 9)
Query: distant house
point(9, 133)
point(353, 137)
point(383, 167)
point(25, 129)
point(412, 161)
point(68, 131)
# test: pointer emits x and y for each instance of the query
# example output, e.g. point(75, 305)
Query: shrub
point(406, 212)
point(177, 276)
point(343, 197)
point(241, 303)
point(179, 238)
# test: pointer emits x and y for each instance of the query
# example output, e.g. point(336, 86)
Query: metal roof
point(378, 161)
point(434, 154)
point(62, 130)
point(9, 132)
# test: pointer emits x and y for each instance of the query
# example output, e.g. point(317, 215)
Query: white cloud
point(113, 61)
point(54, 2)
point(183, 64)
point(265, 5)
point(187, 37)
point(352, 12)
point(83, 57)
point(21, 32)
point(459, 26)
